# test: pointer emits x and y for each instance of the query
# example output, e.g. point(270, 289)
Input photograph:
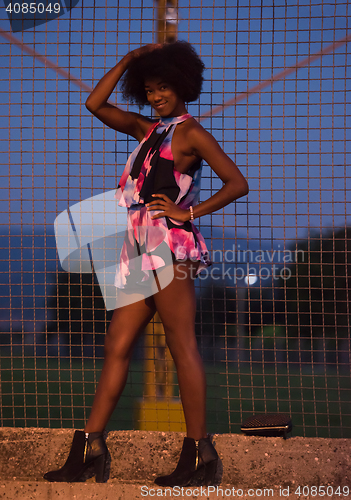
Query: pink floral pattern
point(145, 235)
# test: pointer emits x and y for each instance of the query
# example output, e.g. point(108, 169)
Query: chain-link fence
point(273, 319)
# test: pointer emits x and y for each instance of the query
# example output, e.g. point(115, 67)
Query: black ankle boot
point(197, 465)
point(87, 449)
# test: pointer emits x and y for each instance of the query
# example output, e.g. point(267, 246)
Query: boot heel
point(81, 459)
point(99, 468)
point(210, 472)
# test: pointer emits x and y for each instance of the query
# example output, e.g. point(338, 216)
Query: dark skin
point(190, 143)
point(176, 303)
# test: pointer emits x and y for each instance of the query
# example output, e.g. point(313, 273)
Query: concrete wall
point(258, 466)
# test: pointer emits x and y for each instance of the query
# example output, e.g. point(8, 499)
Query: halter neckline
point(172, 120)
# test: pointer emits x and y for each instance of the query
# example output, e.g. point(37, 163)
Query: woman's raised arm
point(123, 121)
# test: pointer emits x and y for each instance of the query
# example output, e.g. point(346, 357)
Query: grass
point(57, 392)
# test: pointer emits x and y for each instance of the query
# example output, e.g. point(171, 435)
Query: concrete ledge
point(139, 456)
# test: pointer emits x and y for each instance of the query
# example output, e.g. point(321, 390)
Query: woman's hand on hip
point(168, 207)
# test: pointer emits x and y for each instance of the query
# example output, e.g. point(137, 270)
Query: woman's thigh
point(127, 323)
point(176, 305)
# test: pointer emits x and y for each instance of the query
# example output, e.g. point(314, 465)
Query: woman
point(159, 186)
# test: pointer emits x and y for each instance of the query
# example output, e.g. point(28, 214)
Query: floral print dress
point(150, 170)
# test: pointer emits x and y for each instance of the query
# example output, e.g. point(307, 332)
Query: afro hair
point(176, 64)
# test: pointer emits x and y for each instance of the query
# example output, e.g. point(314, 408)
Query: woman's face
point(163, 99)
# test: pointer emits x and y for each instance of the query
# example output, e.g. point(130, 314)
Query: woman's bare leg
point(176, 305)
point(126, 324)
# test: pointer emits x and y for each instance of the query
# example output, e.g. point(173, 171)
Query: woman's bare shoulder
point(194, 132)
point(193, 127)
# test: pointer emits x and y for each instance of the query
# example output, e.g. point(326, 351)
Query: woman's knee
point(183, 350)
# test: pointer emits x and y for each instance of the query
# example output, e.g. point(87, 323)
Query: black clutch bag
point(267, 424)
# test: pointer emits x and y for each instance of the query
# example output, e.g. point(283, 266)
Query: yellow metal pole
point(159, 409)
point(167, 21)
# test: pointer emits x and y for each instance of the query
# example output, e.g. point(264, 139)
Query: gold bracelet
point(191, 213)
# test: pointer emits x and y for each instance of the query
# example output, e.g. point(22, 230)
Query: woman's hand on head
point(168, 207)
point(145, 49)
point(113, 116)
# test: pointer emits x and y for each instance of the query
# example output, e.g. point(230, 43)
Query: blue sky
point(292, 140)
